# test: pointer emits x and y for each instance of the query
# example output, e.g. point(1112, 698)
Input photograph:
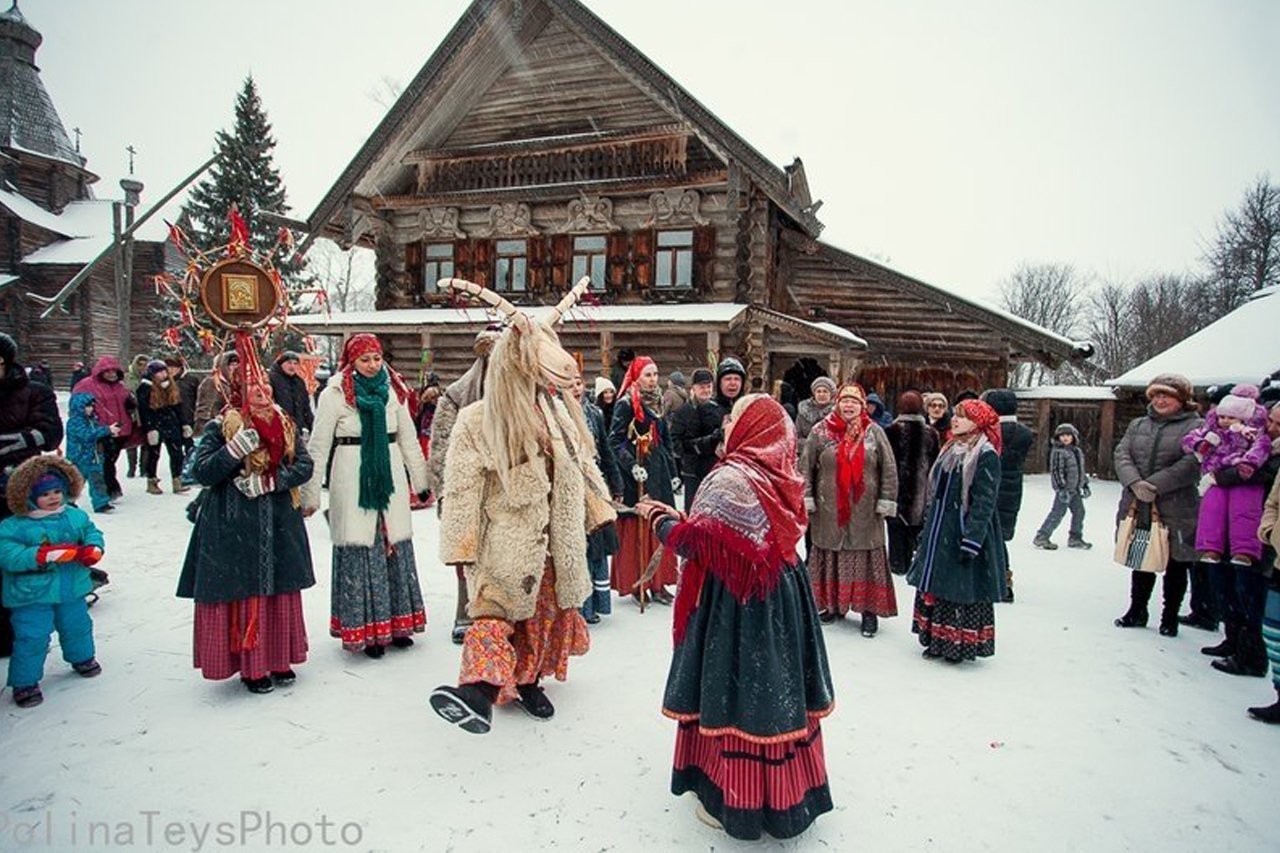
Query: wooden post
point(713, 347)
point(1044, 410)
point(1106, 441)
point(606, 351)
point(423, 367)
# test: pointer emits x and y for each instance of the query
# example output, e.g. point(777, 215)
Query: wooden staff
point(642, 453)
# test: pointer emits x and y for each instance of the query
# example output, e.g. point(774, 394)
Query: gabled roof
point(1241, 346)
point(666, 92)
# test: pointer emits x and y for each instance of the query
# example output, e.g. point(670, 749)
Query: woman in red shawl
point(642, 446)
point(958, 570)
point(749, 681)
point(851, 481)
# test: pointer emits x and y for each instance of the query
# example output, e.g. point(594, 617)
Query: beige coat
point(349, 524)
point(865, 530)
point(503, 535)
point(1269, 530)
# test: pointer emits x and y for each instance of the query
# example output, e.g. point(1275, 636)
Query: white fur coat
point(503, 536)
point(348, 523)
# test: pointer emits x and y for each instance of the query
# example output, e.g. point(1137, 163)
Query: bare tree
point(1109, 326)
point(1163, 310)
point(1049, 295)
point(387, 92)
point(346, 276)
point(1244, 256)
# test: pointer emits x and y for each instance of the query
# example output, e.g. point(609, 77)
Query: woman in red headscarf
point(958, 570)
point(640, 442)
point(851, 482)
point(749, 682)
point(364, 441)
point(249, 558)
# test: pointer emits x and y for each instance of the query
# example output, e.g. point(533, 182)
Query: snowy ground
point(1076, 735)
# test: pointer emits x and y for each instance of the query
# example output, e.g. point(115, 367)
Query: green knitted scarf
point(376, 484)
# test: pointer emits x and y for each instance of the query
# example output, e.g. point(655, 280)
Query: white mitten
point(243, 443)
point(153, 437)
point(639, 474)
point(888, 509)
point(255, 485)
point(186, 431)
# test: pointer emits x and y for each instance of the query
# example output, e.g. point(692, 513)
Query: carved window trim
point(673, 259)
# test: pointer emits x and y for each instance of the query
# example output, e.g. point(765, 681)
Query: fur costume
point(502, 533)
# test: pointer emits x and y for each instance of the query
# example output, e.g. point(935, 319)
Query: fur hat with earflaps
point(23, 480)
point(1175, 385)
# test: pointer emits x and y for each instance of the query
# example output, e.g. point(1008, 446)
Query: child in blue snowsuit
point(84, 448)
point(46, 549)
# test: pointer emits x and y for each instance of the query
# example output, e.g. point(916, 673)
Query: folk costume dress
point(366, 438)
point(522, 540)
point(749, 681)
point(852, 477)
point(959, 569)
point(249, 557)
point(639, 438)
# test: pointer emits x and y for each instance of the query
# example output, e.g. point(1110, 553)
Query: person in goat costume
point(521, 493)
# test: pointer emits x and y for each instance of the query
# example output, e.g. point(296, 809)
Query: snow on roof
point(838, 331)
point(90, 223)
point(1242, 346)
point(1066, 392)
point(709, 313)
point(6, 280)
point(29, 211)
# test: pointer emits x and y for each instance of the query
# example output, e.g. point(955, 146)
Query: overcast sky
point(952, 140)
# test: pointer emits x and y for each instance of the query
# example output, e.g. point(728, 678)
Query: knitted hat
point(822, 382)
point(603, 383)
point(932, 396)
point(46, 483)
point(1004, 401)
point(730, 365)
point(155, 366)
point(1067, 429)
point(1241, 403)
point(8, 349)
point(910, 403)
point(702, 376)
point(287, 355)
point(1173, 384)
point(677, 378)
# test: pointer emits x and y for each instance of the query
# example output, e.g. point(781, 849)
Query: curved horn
point(484, 294)
point(570, 299)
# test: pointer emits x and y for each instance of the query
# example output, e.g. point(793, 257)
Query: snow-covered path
point(1076, 735)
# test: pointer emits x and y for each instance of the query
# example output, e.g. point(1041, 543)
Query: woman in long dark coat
point(642, 446)
point(958, 571)
point(749, 682)
point(249, 558)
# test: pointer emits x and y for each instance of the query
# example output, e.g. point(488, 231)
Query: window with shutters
point(511, 266)
point(673, 260)
point(590, 258)
point(437, 264)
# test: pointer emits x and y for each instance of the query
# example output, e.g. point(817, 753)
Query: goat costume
point(516, 509)
point(376, 594)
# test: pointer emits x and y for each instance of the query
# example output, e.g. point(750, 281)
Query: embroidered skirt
point(505, 654)
point(636, 544)
point(754, 788)
point(857, 581)
point(955, 631)
point(376, 595)
point(271, 625)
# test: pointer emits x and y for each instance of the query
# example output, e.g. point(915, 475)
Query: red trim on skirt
point(852, 581)
point(753, 776)
point(281, 638)
point(636, 544)
point(378, 633)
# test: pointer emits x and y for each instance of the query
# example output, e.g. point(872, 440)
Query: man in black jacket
point(695, 433)
point(290, 391)
point(29, 425)
point(1016, 441)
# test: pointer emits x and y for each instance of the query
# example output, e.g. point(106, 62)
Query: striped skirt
point(1271, 633)
point(857, 581)
point(636, 544)
point(270, 625)
point(375, 594)
point(754, 788)
point(955, 631)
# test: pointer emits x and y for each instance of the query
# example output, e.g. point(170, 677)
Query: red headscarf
point(630, 382)
point(851, 454)
point(356, 346)
point(984, 418)
point(762, 445)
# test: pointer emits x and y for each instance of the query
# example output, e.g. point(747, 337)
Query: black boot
point(1224, 649)
point(467, 706)
point(1168, 624)
point(1250, 657)
point(534, 701)
point(1133, 618)
point(870, 624)
point(1268, 713)
point(258, 685)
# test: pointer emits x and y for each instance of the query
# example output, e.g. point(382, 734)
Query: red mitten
point(1245, 470)
point(89, 555)
point(1203, 449)
point(56, 554)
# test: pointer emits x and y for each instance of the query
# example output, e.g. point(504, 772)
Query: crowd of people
point(759, 522)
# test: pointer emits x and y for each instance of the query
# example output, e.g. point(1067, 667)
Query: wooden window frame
point(512, 261)
point(595, 261)
point(667, 259)
point(433, 266)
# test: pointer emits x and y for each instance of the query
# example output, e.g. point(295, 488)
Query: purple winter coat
point(1245, 443)
point(112, 398)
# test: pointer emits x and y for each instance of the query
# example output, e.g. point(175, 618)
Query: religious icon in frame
point(239, 293)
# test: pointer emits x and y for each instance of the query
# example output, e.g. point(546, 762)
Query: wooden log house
point(51, 226)
point(537, 145)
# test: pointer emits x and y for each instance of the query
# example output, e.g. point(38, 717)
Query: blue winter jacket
point(25, 582)
point(83, 435)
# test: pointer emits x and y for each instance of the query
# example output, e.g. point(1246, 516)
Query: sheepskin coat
point(915, 448)
point(502, 533)
point(865, 530)
point(461, 393)
point(349, 524)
